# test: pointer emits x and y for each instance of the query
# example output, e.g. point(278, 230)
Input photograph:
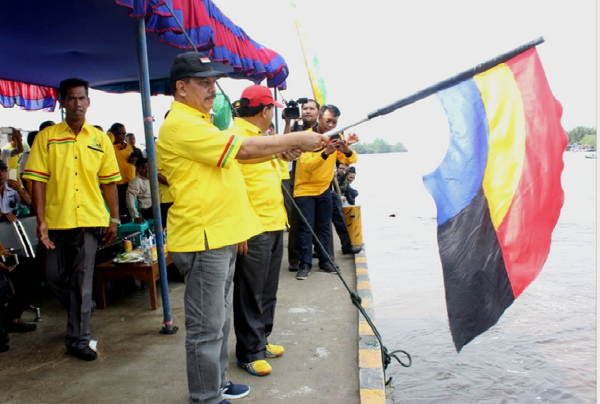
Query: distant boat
point(590, 155)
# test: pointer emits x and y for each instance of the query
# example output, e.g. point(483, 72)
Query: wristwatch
point(115, 221)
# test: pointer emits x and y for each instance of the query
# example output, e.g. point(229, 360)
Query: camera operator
point(308, 119)
point(310, 112)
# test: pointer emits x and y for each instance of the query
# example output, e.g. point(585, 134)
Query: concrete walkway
point(315, 321)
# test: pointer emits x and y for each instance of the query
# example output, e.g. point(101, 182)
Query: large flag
point(498, 191)
point(312, 62)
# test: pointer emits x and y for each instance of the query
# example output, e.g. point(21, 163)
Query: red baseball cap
point(258, 95)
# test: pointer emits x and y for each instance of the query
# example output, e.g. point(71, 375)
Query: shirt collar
point(248, 127)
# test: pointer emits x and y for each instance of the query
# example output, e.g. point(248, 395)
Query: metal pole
point(151, 153)
point(442, 85)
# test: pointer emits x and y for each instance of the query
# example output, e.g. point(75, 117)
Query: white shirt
point(138, 188)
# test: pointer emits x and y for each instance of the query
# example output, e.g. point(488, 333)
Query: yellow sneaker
point(274, 351)
point(256, 368)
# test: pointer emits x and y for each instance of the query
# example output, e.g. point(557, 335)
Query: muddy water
point(543, 349)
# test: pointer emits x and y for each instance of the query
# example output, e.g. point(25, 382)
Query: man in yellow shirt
point(256, 277)
point(69, 163)
point(210, 215)
point(312, 192)
point(123, 151)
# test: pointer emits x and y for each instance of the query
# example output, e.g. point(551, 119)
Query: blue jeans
point(317, 210)
point(208, 279)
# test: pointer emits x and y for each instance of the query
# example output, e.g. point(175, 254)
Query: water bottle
point(146, 253)
point(153, 251)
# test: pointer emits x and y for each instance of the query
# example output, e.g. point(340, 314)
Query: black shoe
point(3, 337)
point(10, 326)
point(294, 267)
point(303, 272)
point(354, 249)
point(3, 348)
point(86, 354)
point(327, 267)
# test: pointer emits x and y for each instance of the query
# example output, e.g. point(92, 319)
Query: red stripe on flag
point(526, 231)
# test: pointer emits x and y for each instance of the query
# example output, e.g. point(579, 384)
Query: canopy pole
point(444, 84)
point(151, 153)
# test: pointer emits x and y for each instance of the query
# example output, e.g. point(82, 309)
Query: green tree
point(578, 133)
point(378, 146)
point(588, 140)
point(381, 146)
point(398, 147)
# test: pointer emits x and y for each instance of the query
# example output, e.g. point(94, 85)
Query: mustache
point(212, 96)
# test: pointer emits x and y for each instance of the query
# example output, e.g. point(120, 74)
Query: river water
point(543, 349)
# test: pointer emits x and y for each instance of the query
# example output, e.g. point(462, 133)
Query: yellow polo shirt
point(73, 167)
point(13, 162)
point(123, 152)
point(165, 194)
point(263, 181)
point(210, 200)
point(314, 174)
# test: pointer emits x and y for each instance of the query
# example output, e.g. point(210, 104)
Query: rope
point(355, 299)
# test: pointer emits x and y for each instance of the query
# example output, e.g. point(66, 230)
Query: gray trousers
point(70, 275)
point(256, 281)
point(208, 279)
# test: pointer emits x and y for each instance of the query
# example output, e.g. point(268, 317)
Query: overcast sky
point(372, 53)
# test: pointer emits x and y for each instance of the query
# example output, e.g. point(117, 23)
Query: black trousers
point(255, 284)
point(123, 210)
point(337, 217)
point(26, 279)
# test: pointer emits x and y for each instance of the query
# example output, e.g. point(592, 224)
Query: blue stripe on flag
point(457, 180)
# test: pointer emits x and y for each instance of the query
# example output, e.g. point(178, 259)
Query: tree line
point(378, 146)
point(582, 135)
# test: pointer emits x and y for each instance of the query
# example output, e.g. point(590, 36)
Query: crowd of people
point(223, 201)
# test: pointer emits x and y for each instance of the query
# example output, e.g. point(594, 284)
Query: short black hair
point(311, 100)
point(70, 83)
point(45, 124)
point(31, 137)
point(331, 108)
point(115, 126)
point(247, 112)
point(140, 161)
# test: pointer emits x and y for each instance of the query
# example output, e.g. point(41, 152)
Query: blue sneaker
point(232, 391)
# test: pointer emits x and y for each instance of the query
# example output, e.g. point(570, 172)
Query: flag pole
point(442, 85)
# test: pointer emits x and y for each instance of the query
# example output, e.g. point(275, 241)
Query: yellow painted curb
point(364, 328)
point(363, 285)
point(374, 396)
point(369, 359)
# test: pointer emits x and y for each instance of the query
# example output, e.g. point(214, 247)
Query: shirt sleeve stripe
point(105, 179)
point(227, 151)
point(38, 174)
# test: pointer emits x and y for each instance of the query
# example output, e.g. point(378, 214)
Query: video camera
point(291, 111)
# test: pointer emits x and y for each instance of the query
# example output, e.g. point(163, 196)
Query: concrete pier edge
point(370, 365)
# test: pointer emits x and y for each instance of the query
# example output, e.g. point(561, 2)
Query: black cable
point(386, 357)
